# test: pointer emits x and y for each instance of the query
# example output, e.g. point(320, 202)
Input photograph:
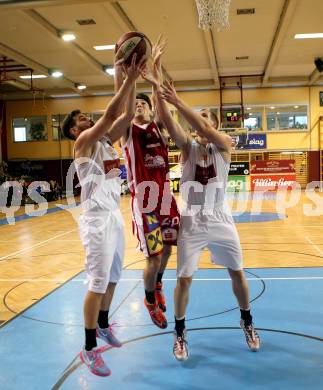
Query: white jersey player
point(101, 225)
point(206, 220)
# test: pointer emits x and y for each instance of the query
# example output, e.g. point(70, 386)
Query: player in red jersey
point(155, 214)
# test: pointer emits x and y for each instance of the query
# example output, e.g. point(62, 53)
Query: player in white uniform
point(206, 218)
point(101, 225)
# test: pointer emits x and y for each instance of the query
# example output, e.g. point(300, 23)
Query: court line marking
point(164, 279)
point(37, 245)
point(69, 370)
point(314, 245)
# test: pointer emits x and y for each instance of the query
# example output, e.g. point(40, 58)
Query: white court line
point(36, 245)
point(240, 225)
point(165, 280)
point(315, 246)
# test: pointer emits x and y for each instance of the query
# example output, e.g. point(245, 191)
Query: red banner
point(272, 182)
point(272, 166)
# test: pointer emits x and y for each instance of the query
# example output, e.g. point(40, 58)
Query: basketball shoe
point(180, 349)
point(94, 361)
point(108, 336)
point(156, 315)
point(252, 338)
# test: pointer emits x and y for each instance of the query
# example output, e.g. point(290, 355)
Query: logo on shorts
point(154, 241)
point(152, 221)
point(169, 235)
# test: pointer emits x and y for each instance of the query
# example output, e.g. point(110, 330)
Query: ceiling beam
point(36, 66)
point(44, 23)
point(18, 57)
point(21, 4)
point(210, 47)
point(17, 83)
point(122, 19)
point(314, 77)
point(283, 23)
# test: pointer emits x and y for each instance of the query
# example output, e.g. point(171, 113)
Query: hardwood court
point(39, 254)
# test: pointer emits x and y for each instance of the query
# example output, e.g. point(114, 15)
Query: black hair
point(68, 123)
point(146, 98)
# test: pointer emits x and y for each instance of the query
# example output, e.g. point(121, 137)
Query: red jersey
point(146, 157)
point(154, 209)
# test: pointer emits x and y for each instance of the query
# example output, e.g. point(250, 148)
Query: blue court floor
point(39, 348)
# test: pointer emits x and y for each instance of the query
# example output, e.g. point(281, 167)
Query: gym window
point(293, 117)
point(30, 129)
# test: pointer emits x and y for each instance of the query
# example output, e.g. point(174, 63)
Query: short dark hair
point(68, 123)
point(146, 98)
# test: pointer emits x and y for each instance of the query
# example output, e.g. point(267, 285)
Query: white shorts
point(217, 232)
point(102, 235)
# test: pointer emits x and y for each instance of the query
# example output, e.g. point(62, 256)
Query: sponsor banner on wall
point(250, 141)
point(239, 168)
point(272, 182)
point(123, 170)
point(272, 166)
point(236, 183)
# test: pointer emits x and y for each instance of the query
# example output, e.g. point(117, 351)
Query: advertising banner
point(250, 141)
point(272, 166)
point(272, 182)
point(236, 183)
point(239, 168)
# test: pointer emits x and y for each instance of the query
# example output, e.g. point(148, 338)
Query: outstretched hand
point(150, 75)
point(168, 92)
point(133, 71)
point(157, 51)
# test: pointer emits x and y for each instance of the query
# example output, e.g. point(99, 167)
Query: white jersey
point(99, 178)
point(208, 172)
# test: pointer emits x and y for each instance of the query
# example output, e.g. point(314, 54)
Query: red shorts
point(155, 229)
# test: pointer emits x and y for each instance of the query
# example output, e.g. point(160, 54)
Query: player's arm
point(155, 78)
point(89, 137)
point(118, 75)
point(198, 123)
point(121, 125)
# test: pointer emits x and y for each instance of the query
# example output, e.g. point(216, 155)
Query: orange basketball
point(130, 43)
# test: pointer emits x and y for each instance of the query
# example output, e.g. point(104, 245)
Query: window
point(30, 129)
point(253, 119)
point(20, 134)
point(287, 117)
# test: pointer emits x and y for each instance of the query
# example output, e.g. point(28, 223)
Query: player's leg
point(151, 270)
point(159, 293)
point(147, 229)
point(190, 245)
point(169, 219)
point(226, 250)
point(241, 291)
point(93, 233)
point(105, 330)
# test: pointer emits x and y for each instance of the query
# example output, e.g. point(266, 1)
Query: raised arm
point(122, 124)
point(199, 124)
point(154, 77)
point(103, 126)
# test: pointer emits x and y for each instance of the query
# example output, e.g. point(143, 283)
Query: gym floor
point(42, 288)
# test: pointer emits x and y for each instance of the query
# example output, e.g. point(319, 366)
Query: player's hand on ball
point(133, 71)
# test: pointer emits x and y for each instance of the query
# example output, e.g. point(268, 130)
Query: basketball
point(131, 43)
